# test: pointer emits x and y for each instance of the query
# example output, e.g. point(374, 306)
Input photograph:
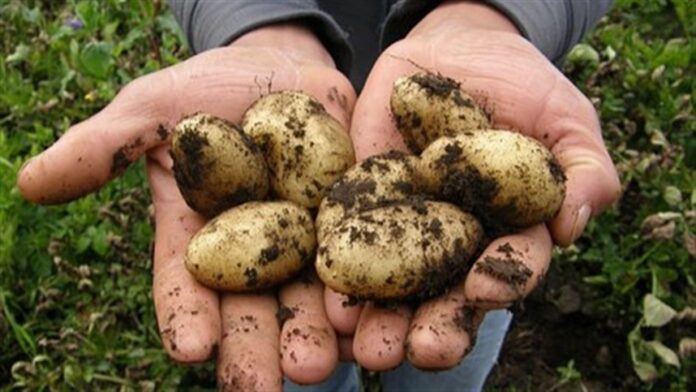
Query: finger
point(309, 348)
point(187, 312)
point(248, 359)
point(592, 181)
point(95, 150)
point(443, 331)
point(379, 339)
point(509, 268)
point(341, 311)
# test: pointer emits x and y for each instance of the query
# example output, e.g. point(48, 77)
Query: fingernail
point(581, 219)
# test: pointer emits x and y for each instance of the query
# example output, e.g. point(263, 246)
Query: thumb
point(592, 181)
point(92, 152)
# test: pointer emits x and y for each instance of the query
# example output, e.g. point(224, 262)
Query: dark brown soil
point(346, 193)
point(556, 171)
point(251, 277)
point(507, 268)
point(544, 336)
point(469, 189)
point(162, 132)
point(284, 314)
point(189, 176)
point(435, 84)
point(124, 156)
point(269, 254)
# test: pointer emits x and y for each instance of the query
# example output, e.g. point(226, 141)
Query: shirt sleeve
point(553, 26)
point(214, 23)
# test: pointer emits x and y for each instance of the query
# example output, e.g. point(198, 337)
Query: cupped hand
point(522, 91)
point(194, 321)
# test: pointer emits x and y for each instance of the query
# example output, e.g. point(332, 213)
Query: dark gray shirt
point(355, 31)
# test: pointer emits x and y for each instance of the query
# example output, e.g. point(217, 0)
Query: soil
point(544, 336)
point(123, 157)
point(556, 171)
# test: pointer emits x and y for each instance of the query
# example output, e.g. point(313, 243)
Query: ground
point(75, 303)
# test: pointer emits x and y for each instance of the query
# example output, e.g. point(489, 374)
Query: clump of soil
point(124, 156)
point(506, 268)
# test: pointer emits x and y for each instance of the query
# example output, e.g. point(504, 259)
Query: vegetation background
point(615, 313)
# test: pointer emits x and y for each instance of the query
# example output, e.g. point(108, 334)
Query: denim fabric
point(468, 376)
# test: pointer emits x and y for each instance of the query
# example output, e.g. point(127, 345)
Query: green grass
point(75, 302)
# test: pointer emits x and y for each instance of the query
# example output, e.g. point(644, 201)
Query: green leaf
point(21, 53)
point(672, 195)
point(596, 280)
point(96, 60)
point(645, 371)
point(100, 241)
point(656, 312)
point(87, 12)
point(665, 353)
point(583, 54)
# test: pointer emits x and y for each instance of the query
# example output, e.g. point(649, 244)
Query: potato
point(408, 249)
point(252, 246)
point(215, 165)
point(306, 149)
point(506, 179)
point(375, 181)
point(427, 106)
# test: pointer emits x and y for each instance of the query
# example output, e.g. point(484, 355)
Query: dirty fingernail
point(581, 219)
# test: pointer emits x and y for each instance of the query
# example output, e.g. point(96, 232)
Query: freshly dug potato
point(374, 182)
point(403, 250)
point(306, 149)
point(215, 165)
point(252, 246)
point(427, 106)
point(506, 179)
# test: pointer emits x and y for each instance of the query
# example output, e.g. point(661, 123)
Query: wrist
point(292, 38)
point(452, 16)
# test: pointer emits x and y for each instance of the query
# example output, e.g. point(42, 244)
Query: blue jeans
point(468, 376)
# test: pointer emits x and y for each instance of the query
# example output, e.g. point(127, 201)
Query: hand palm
point(193, 319)
point(523, 92)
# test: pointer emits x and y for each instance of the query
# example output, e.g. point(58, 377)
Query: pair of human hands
point(470, 43)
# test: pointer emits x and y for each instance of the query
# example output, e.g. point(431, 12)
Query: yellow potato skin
point(427, 106)
point(307, 150)
point(403, 250)
point(253, 246)
point(377, 180)
point(511, 180)
point(215, 165)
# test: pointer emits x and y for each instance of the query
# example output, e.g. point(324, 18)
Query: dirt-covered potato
point(306, 149)
point(506, 179)
point(408, 249)
point(252, 246)
point(426, 106)
point(373, 182)
point(216, 166)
